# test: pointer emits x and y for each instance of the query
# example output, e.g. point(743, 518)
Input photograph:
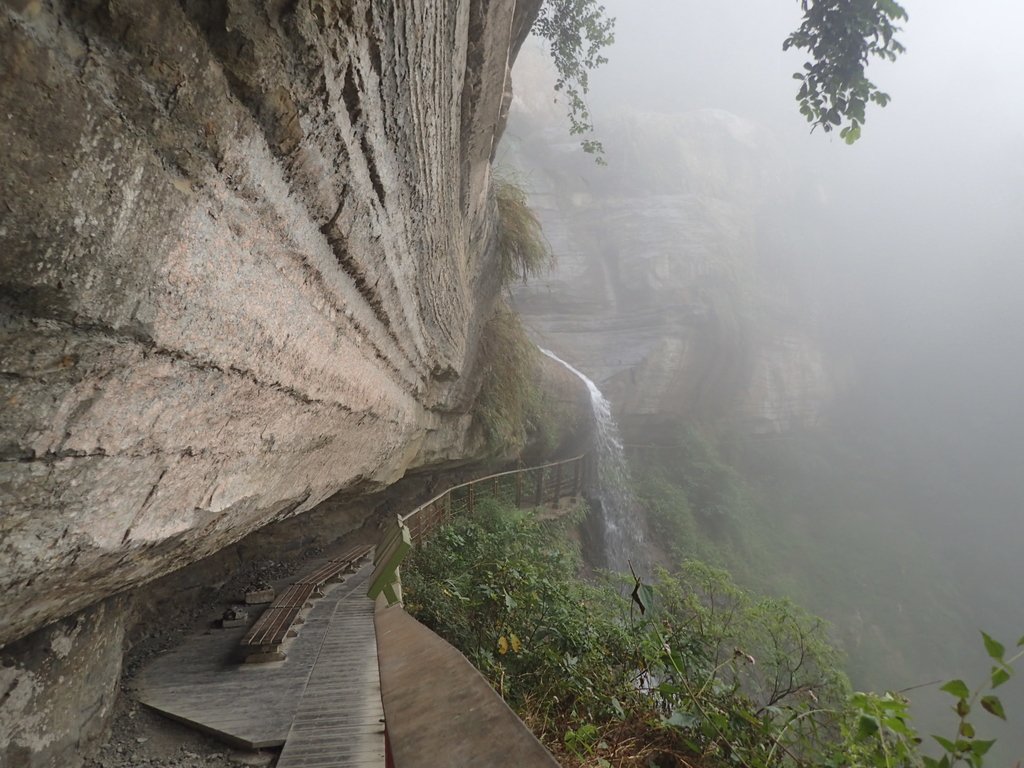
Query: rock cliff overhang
point(245, 254)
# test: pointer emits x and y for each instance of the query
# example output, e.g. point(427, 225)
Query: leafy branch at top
point(841, 36)
point(576, 32)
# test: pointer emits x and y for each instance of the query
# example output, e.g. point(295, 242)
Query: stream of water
point(623, 539)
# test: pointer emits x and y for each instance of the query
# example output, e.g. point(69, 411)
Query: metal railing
point(547, 484)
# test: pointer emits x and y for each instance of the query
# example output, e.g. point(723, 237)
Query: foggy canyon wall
point(673, 287)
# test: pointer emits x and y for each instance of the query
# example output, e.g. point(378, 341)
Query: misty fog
point(907, 245)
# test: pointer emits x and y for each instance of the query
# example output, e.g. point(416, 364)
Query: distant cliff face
point(245, 255)
point(673, 289)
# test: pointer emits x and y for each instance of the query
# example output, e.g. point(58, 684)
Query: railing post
point(576, 477)
point(471, 496)
point(519, 489)
point(558, 485)
point(538, 496)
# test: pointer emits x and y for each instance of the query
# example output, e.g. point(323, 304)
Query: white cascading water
point(623, 540)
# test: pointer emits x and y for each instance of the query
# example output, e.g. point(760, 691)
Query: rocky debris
point(141, 738)
point(235, 616)
point(259, 593)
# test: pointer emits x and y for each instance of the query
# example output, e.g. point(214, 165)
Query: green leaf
point(1020, 642)
point(957, 688)
point(994, 706)
point(1000, 676)
point(946, 744)
point(994, 648)
point(867, 726)
point(981, 747)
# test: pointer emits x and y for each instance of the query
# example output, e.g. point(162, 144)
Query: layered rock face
point(245, 254)
point(674, 287)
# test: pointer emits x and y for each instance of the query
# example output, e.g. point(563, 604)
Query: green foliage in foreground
point(707, 674)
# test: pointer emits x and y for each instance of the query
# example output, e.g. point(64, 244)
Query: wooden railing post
point(576, 476)
point(558, 485)
point(538, 496)
point(519, 489)
point(471, 496)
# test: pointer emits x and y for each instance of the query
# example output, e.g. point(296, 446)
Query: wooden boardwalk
point(340, 721)
point(322, 702)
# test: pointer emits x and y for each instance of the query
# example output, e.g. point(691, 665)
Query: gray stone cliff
point(676, 288)
point(245, 255)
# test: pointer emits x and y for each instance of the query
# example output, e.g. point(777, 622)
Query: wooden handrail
point(496, 476)
point(397, 540)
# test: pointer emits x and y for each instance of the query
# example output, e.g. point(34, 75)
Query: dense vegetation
point(706, 670)
point(694, 670)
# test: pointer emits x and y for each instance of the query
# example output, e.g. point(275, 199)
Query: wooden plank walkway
point(340, 720)
point(440, 709)
point(202, 684)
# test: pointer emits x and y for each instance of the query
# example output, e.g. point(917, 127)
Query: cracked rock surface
point(245, 255)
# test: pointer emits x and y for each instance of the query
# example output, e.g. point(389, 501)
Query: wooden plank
point(339, 721)
point(440, 710)
point(295, 596)
point(201, 684)
point(392, 534)
point(323, 574)
point(356, 553)
point(271, 628)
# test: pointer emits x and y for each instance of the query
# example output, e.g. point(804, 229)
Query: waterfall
point(623, 540)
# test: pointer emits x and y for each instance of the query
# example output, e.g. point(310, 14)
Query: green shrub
point(509, 404)
point(522, 246)
point(694, 501)
point(705, 674)
point(592, 676)
point(502, 588)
